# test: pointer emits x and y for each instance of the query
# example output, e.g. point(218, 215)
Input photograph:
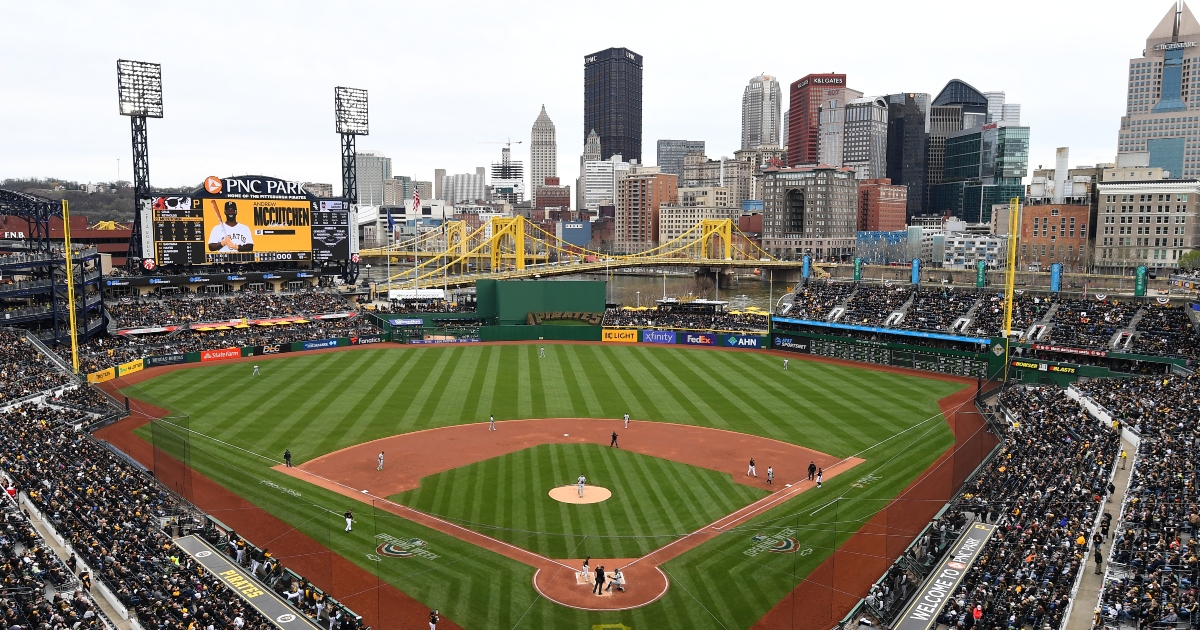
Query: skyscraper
point(672, 152)
point(761, 105)
point(508, 178)
point(543, 153)
point(908, 135)
point(373, 169)
point(805, 99)
point(984, 166)
point(591, 153)
point(943, 121)
point(865, 144)
point(1161, 111)
point(973, 103)
point(612, 101)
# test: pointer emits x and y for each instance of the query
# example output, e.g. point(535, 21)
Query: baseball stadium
point(259, 421)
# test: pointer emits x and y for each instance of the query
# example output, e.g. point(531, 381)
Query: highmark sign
point(939, 587)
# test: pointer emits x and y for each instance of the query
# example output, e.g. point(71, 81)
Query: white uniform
point(785, 364)
point(491, 423)
point(626, 421)
point(380, 462)
point(541, 352)
point(582, 479)
point(239, 234)
point(256, 370)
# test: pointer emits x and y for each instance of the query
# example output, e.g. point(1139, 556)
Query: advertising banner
point(408, 322)
point(366, 339)
point(698, 339)
point(980, 274)
point(658, 336)
point(619, 335)
point(278, 348)
point(807, 268)
point(316, 345)
point(792, 344)
point(107, 374)
point(221, 355)
point(858, 268)
point(916, 271)
point(741, 341)
point(130, 368)
point(446, 340)
point(1139, 284)
point(1055, 277)
point(166, 359)
point(922, 613)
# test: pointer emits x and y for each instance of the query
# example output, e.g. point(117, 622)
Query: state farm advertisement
point(221, 355)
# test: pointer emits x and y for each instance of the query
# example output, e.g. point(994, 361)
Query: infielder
point(581, 481)
point(380, 466)
point(349, 519)
point(491, 423)
point(820, 476)
point(255, 371)
point(626, 419)
point(751, 470)
point(614, 440)
point(771, 475)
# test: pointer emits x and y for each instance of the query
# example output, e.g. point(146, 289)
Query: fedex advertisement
point(658, 336)
point(699, 339)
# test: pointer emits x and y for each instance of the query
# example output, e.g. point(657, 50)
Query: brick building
point(1055, 233)
point(881, 205)
point(640, 195)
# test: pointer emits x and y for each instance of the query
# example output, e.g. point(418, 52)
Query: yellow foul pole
point(66, 217)
point(1010, 277)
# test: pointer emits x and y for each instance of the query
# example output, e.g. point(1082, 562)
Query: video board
point(247, 219)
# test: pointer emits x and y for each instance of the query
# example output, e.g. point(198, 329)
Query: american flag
point(416, 201)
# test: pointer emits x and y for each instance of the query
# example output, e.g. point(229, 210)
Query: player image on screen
point(229, 236)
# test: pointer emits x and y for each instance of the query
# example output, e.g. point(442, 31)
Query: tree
point(1190, 261)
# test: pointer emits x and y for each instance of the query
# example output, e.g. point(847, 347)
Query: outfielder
point(255, 371)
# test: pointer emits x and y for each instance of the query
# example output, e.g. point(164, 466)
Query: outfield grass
point(315, 404)
point(654, 500)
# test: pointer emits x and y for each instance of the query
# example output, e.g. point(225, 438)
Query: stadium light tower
point(139, 93)
point(350, 107)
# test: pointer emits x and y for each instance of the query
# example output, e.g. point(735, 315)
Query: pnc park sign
point(939, 587)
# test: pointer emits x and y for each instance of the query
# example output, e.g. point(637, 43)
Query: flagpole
point(388, 252)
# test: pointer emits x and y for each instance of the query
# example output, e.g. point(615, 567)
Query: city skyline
point(70, 127)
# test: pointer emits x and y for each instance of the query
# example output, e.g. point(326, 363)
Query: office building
point(438, 174)
point(551, 195)
point(396, 189)
point(943, 121)
point(672, 152)
point(373, 168)
point(882, 205)
point(508, 178)
point(425, 188)
point(600, 181)
point(973, 103)
point(1000, 111)
point(962, 250)
point(612, 101)
point(984, 166)
point(713, 196)
point(319, 189)
point(1145, 218)
point(676, 219)
point(464, 187)
point(543, 153)
point(864, 146)
point(907, 144)
point(758, 159)
point(805, 99)
point(640, 195)
point(783, 135)
point(810, 210)
point(761, 106)
point(1162, 109)
point(591, 153)
point(1055, 233)
point(831, 132)
point(734, 175)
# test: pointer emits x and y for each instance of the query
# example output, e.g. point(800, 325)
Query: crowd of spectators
point(104, 352)
point(988, 320)
point(1155, 546)
point(156, 311)
point(1166, 331)
point(1043, 490)
point(815, 301)
point(871, 305)
point(83, 399)
point(1090, 323)
point(35, 585)
point(686, 320)
point(23, 370)
point(936, 310)
point(426, 306)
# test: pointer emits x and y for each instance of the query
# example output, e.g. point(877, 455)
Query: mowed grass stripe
point(638, 402)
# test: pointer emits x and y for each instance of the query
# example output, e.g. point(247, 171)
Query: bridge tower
point(711, 229)
point(504, 229)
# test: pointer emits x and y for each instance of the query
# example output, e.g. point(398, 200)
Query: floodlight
point(139, 88)
point(350, 105)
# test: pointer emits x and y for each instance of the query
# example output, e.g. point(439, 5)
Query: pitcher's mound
point(570, 494)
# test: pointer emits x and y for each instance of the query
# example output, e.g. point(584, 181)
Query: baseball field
point(460, 518)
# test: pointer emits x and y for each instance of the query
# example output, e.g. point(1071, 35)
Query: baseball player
point(771, 475)
point(751, 470)
point(255, 371)
point(491, 423)
point(434, 618)
point(380, 466)
point(613, 442)
point(626, 419)
point(349, 519)
point(785, 364)
point(820, 476)
point(542, 352)
point(581, 481)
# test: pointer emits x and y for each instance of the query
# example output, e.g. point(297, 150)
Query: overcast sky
point(248, 86)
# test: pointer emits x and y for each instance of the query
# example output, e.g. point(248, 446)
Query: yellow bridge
point(509, 248)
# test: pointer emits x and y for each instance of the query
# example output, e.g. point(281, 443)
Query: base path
point(352, 472)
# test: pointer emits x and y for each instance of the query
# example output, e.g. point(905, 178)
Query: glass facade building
point(612, 101)
point(672, 152)
point(983, 166)
point(907, 137)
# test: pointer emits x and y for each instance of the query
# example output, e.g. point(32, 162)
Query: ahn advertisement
point(658, 336)
point(791, 344)
point(221, 355)
point(741, 341)
point(698, 339)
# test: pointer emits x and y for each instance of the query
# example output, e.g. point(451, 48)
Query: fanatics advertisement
point(366, 339)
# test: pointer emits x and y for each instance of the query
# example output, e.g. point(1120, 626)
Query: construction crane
point(507, 143)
